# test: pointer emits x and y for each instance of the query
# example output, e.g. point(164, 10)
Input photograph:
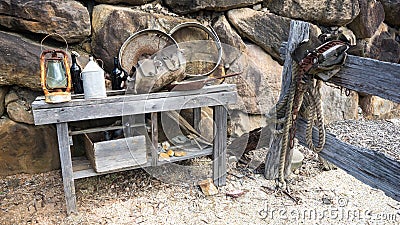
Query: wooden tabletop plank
point(124, 108)
point(79, 101)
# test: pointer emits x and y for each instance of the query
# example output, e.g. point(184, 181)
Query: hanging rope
point(304, 96)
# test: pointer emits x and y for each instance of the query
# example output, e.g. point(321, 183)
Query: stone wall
point(253, 28)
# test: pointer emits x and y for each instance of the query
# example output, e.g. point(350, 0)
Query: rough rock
point(389, 49)
point(18, 112)
point(109, 35)
point(19, 61)
point(207, 187)
point(392, 11)
point(188, 6)
point(326, 12)
point(241, 123)
point(381, 46)
point(10, 97)
point(259, 83)
point(230, 39)
point(3, 92)
point(18, 103)
point(129, 2)
point(69, 19)
point(337, 106)
point(374, 107)
point(27, 148)
point(265, 29)
point(370, 17)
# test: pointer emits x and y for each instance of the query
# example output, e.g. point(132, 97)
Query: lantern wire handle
point(53, 34)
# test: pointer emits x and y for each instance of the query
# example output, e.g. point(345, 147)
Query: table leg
point(219, 151)
point(66, 167)
point(154, 138)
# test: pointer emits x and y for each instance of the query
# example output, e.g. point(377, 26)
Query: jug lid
point(92, 66)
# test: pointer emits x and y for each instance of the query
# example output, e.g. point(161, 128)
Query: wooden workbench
point(79, 109)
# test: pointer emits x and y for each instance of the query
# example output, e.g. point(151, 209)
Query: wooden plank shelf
point(82, 167)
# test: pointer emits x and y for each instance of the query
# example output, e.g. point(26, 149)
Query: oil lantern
point(55, 76)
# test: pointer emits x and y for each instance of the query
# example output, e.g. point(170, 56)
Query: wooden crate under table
point(115, 154)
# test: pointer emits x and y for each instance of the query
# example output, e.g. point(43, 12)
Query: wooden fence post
point(299, 31)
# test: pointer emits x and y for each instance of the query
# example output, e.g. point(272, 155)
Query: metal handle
point(53, 34)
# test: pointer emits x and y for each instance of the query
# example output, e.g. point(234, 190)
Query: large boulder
point(259, 81)
point(370, 17)
point(112, 25)
point(265, 29)
point(188, 6)
point(337, 105)
point(231, 40)
point(381, 46)
point(27, 148)
point(19, 61)
point(325, 12)
point(392, 11)
point(69, 19)
point(18, 103)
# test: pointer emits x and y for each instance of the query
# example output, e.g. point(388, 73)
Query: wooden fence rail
point(374, 168)
point(362, 75)
point(370, 76)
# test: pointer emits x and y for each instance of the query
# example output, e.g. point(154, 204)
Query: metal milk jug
point(93, 80)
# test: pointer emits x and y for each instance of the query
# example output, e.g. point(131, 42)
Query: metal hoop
point(53, 34)
point(211, 32)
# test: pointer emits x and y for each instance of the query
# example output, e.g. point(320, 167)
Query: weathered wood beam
point(370, 167)
point(66, 167)
point(370, 76)
point(367, 76)
point(220, 115)
point(299, 31)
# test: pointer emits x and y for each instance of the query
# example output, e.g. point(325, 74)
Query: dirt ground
point(134, 197)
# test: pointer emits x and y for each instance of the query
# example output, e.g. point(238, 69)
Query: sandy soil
point(134, 197)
